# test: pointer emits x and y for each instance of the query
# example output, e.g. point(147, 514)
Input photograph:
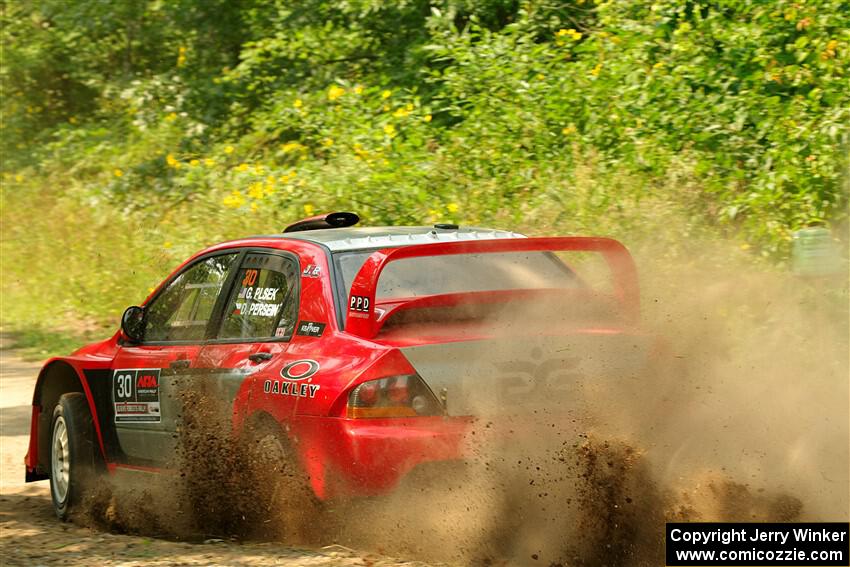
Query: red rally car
point(361, 346)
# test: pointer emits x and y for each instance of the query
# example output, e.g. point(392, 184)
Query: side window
point(264, 300)
point(182, 311)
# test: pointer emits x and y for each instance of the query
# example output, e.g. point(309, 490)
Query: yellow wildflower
point(209, 161)
point(335, 92)
point(401, 113)
point(571, 33)
point(254, 207)
point(172, 161)
point(386, 94)
point(452, 207)
point(427, 118)
point(234, 200)
point(255, 190)
point(228, 150)
point(118, 172)
point(328, 142)
point(389, 130)
point(358, 89)
point(242, 167)
point(290, 147)
point(298, 103)
point(360, 152)
point(259, 168)
point(568, 130)
point(268, 188)
point(194, 163)
point(270, 180)
point(596, 70)
point(172, 116)
point(309, 210)
point(167, 244)
point(829, 52)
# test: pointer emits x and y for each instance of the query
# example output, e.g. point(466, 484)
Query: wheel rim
point(60, 464)
point(272, 448)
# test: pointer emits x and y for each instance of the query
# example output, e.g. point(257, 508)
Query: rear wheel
point(72, 455)
point(289, 505)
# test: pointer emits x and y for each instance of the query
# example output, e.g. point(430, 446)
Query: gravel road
point(31, 535)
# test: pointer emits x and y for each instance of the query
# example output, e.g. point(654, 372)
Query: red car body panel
point(341, 455)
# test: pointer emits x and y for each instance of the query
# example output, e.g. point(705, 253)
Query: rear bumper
point(366, 457)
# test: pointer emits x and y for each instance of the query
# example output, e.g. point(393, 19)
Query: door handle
point(179, 363)
point(260, 356)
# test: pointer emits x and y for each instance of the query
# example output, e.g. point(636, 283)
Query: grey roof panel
point(360, 238)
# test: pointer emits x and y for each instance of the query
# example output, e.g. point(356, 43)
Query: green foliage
point(36, 343)
point(193, 120)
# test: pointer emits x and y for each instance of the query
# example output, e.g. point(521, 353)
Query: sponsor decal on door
point(135, 395)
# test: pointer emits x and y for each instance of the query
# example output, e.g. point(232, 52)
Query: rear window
point(434, 275)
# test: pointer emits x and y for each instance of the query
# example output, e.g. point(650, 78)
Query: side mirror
point(133, 323)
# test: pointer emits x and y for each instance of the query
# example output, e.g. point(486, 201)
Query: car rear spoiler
point(362, 320)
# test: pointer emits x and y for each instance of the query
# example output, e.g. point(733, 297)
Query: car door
point(147, 377)
point(257, 323)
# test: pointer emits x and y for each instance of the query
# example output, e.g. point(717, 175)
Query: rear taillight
point(395, 396)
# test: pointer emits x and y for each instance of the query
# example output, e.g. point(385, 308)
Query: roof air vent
point(339, 219)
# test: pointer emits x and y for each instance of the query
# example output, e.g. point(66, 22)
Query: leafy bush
point(193, 120)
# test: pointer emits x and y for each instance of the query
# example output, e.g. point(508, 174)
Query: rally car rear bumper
point(367, 457)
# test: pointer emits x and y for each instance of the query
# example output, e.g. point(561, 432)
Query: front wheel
point(72, 454)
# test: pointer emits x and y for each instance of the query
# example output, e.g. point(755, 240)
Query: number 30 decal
point(123, 386)
point(359, 303)
point(250, 278)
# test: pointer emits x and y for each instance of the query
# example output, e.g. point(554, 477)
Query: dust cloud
point(728, 403)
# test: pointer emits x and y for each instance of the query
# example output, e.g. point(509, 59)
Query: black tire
point(72, 453)
point(278, 483)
